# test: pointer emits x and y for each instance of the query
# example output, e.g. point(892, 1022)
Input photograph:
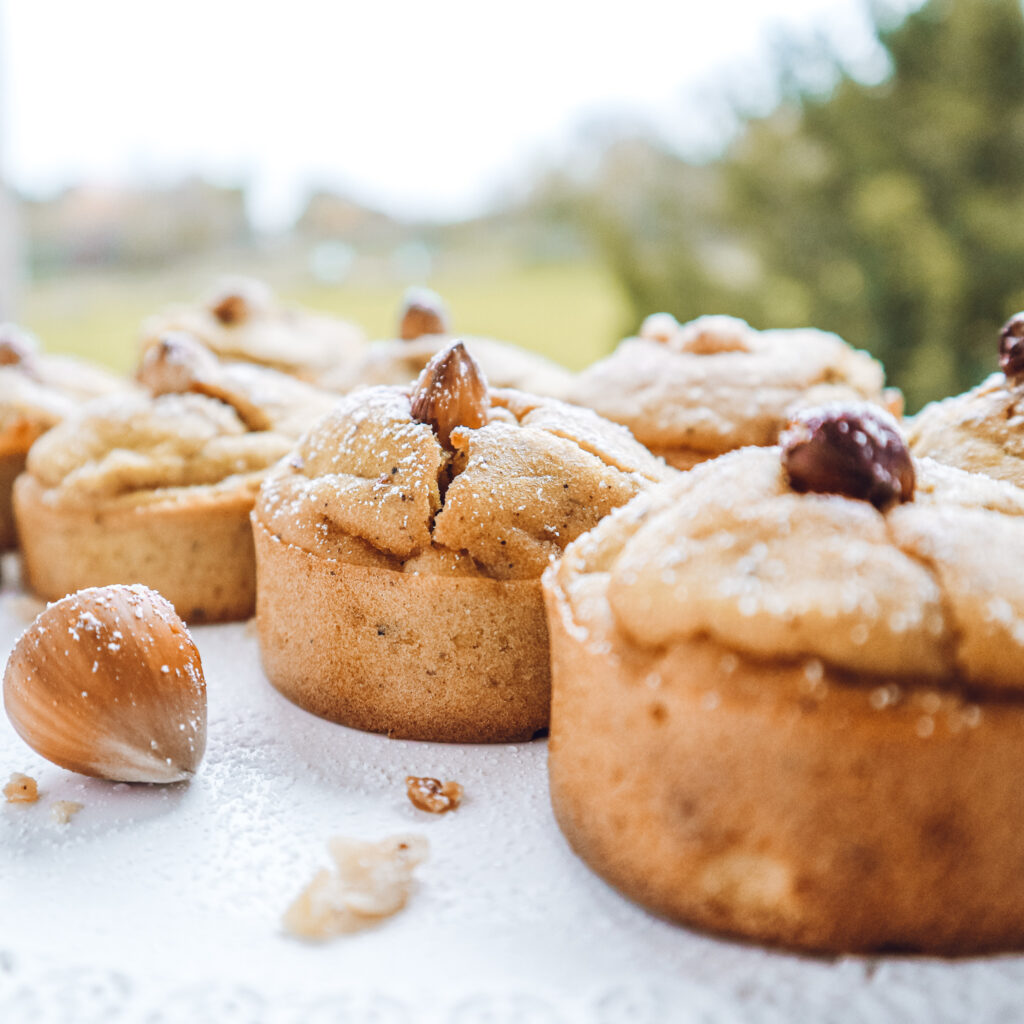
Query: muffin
point(693, 391)
point(400, 548)
point(795, 716)
point(157, 488)
point(423, 331)
point(242, 321)
point(981, 430)
point(36, 392)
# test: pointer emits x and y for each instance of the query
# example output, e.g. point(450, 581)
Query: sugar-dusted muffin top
point(37, 391)
point(452, 476)
point(981, 430)
point(244, 321)
point(200, 423)
point(745, 552)
point(716, 384)
point(424, 330)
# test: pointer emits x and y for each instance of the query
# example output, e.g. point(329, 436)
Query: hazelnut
point(451, 392)
point(178, 363)
point(432, 796)
point(661, 327)
point(238, 299)
point(1011, 346)
point(853, 450)
point(175, 364)
point(423, 312)
point(714, 335)
point(17, 347)
point(108, 682)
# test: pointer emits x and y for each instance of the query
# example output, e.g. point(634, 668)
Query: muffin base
point(11, 465)
point(196, 551)
point(779, 804)
point(449, 659)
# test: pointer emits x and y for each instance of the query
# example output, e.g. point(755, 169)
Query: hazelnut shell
point(107, 682)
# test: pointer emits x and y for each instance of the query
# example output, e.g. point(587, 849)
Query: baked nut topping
point(853, 450)
point(431, 795)
point(661, 327)
point(237, 299)
point(371, 881)
point(451, 392)
point(712, 335)
point(1011, 346)
point(175, 363)
point(423, 312)
point(17, 347)
point(21, 789)
point(108, 682)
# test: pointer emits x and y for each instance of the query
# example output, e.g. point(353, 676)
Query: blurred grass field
point(573, 313)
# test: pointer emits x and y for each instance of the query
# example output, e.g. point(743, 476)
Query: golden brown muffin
point(157, 488)
point(242, 321)
point(423, 331)
point(693, 391)
point(400, 549)
point(797, 717)
point(981, 430)
point(36, 392)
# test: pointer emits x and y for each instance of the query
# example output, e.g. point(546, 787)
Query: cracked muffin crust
point(796, 717)
point(399, 557)
point(693, 391)
point(242, 321)
point(423, 332)
point(37, 391)
point(156, 488)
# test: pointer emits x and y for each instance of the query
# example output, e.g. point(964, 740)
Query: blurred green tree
point(890, 213)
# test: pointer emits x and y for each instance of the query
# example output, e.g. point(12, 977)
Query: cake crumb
point(21, 789)
point(62, 811)
point(430, 795)
point(371, 881)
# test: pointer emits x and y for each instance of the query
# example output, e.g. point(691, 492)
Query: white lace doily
point(164, 904)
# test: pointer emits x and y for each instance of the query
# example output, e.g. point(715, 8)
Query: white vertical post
point(9, 251)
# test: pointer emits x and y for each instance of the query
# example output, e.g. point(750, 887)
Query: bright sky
point(418, 107)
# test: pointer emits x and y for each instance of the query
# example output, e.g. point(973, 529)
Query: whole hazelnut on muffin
point(400, 548)
point(693, 391)
point(424, 330)
point(981, 430)
point(786, 696)
point(242, 320)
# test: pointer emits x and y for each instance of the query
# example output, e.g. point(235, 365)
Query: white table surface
point(164, 904)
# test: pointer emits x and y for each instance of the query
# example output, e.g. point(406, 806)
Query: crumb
point(21, 789)
point(62, 811)
point(430, 795)
point(371, 881)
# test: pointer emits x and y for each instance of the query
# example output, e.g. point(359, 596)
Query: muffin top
point(898, 583)
point(37, 391)
point(424, 330)
point(200, 423)
point(244, 322)
point(716, 384)
point(981, 430)
point(452, 476)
